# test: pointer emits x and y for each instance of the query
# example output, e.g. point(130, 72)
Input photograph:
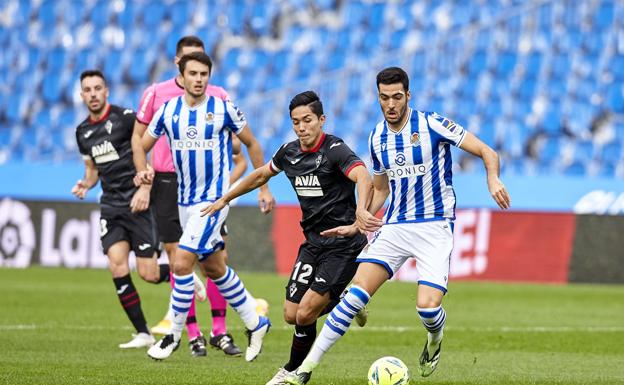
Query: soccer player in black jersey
point(324, 173)
point(126, 222)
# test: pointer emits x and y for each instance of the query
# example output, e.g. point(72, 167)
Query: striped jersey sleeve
point(156, 127)
point(450, 131)
point(234, 117)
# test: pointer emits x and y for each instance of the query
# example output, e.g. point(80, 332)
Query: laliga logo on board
point(17, 234)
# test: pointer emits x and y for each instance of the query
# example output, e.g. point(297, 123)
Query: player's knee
point(428, 302)
point(148, 276)
point(290, 317)
point(181, 267)
point(118, 269)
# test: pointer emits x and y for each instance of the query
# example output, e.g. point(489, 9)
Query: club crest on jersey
point(415, 139)
point(319, 158)
point(191, 132)
point(210, 118)
point(109, 126)
point(449, 124)
point(400, 158)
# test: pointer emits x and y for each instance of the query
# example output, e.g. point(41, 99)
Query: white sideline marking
point(373, 329)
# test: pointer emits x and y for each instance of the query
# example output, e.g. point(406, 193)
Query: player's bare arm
point(363, 181)
point(89, 180)
point(476, 147)
point(145, 174)
point(240, 162)
point(138, 132)
point(265, 198)
point(258, 178)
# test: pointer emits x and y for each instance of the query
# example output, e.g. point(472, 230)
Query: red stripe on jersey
point(316, 148)
point(101, 119)
point(354, 165)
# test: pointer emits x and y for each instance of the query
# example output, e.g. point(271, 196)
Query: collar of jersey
point(409, 117)
point(195, 106)
point(104, 116)
point(316, 148)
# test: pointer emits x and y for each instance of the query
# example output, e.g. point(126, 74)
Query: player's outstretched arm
point(475, 146)
point(265, 198)
point(91, 177)
point(368, 221)
point(258, 178)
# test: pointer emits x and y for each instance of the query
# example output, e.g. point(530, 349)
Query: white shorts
point(430, 243)
point(201, 235)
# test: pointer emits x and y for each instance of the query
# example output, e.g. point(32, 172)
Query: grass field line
point(372, 329)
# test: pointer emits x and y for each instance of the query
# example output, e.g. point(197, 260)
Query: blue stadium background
point(540, 81)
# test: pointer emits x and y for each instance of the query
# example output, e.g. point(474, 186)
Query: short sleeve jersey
point(107, 143)
point(417, 161)
point(319, 177)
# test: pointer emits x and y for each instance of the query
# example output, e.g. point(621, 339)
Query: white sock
point(234, 292)
point(434, 320)
point(336, 324)
point(181, 298)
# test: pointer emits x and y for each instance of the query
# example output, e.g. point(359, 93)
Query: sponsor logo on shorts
point(319, 279)
point(144, 246)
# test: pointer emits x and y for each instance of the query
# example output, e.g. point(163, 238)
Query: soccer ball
point(388, 371)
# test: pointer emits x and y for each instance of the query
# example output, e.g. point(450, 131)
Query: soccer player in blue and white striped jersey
point(199, 129)
point(411, 157)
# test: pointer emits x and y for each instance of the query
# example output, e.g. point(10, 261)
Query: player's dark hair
point(201, 57)
point(188, 41)
point(307, 98)
point(392, 75)
point(89, 73)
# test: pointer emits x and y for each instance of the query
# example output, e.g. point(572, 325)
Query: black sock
point(131, 302)
point(301, 344)
point(330, 306)
point(164, 273)
point(191, 320)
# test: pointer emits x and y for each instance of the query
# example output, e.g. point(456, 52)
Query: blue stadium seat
point(611, 153)
point(575, 169)
point(584, 152)
point(100, 14)
point(505, 64)
point(180, 14)
point(47, 14)
point(604, 15)
point(550, 151)
point(51, 88)
point(153, 15)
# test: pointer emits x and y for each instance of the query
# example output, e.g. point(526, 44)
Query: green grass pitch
point(62, 326)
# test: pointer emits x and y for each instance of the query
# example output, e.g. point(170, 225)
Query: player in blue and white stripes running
point(411, 157)
point(199, 129)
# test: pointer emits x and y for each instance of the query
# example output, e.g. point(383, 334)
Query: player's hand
point(367, 221)
point(341, 231)
point(144, 177)
point(499, 193)
point(140, 200)
point(213, 208)
point(265, 201)
point(80, 189)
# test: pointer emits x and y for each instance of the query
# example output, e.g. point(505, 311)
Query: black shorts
point(165, 201)
point(139, 230)
point(323, 269)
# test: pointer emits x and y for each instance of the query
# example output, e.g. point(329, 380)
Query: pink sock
point(171, 280)
point(191, 323)
point(218, 305)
